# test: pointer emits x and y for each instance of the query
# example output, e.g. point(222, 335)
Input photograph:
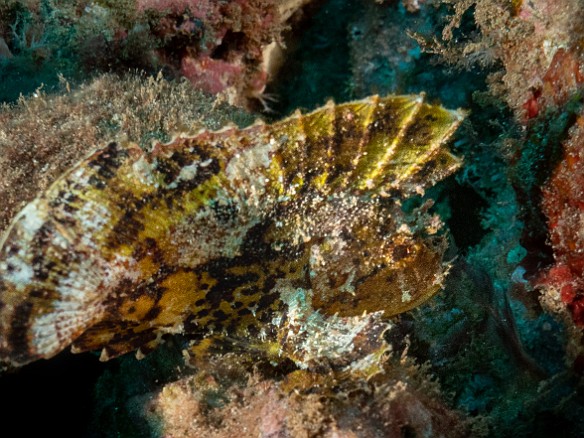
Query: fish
point(289, 237)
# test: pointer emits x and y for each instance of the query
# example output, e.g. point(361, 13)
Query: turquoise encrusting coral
point(498, 352)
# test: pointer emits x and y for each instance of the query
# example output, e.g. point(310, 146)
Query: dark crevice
point(55, 395)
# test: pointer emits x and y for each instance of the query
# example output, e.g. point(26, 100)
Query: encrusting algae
point(288, 239)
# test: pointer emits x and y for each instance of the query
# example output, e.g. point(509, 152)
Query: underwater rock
point(383, 55)
point(229, 399)
point(562, 80)
point(563, 205)
point(537, 42)
point(229, 47)
point(289, 237)
point(389, 411)
point(4, 50)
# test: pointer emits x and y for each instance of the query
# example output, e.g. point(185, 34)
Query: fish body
point(276, 235)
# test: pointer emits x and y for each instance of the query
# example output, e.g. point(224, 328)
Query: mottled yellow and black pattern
point(273, 235)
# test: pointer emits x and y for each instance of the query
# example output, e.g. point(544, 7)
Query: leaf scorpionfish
point(283, 235)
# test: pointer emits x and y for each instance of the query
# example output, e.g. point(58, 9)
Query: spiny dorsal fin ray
point(353, 127)
point(293, 157)
point(434, 169)
point(392, 116)
point(422, 140)
point(319, 129)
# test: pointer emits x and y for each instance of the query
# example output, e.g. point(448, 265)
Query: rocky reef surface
point(497, 352)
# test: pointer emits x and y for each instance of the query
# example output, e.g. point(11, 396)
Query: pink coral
point(223, 42)
point(563, 204)
point(563, 77)
point(211, 75)
point(542, 60)
point(562, 285)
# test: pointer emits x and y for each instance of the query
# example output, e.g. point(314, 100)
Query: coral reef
point(562, 204)
point(509, 143)
point(383, 56)
point(227, 47)
point(537, 43)
point(497, 353)
point(234, 394)
point(215, 405)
